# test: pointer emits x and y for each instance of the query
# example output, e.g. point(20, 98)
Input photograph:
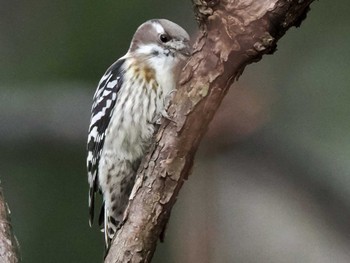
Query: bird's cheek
point(167, 52)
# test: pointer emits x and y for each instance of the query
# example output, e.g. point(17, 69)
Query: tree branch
point(9, 252)
point(233, 34)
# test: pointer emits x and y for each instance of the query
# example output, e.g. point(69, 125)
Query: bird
point(129, 101)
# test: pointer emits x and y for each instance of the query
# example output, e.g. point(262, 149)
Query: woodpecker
point(130, 99)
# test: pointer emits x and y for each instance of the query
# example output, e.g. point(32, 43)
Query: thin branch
point(233, 34)
point(9, 252)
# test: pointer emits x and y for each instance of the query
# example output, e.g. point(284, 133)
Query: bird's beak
point(186, 50)
point(181, 47)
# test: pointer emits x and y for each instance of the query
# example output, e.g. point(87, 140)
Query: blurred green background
point(271, 180)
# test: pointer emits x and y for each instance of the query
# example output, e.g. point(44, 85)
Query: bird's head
point(161, 39)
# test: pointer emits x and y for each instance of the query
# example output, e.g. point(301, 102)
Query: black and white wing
point(102, 109)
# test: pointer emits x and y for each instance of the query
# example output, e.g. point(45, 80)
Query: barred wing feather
point(102, 109)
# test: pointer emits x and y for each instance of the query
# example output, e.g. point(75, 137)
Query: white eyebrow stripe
point(159, 28)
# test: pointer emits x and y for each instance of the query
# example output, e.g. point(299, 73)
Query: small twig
point(9, 252)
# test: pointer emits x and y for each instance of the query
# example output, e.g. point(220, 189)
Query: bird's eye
point(164, 38)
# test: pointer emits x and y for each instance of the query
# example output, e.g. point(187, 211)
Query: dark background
point(271, 180)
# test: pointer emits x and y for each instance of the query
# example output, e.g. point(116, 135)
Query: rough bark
point(9, 252)
point(233, 34)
